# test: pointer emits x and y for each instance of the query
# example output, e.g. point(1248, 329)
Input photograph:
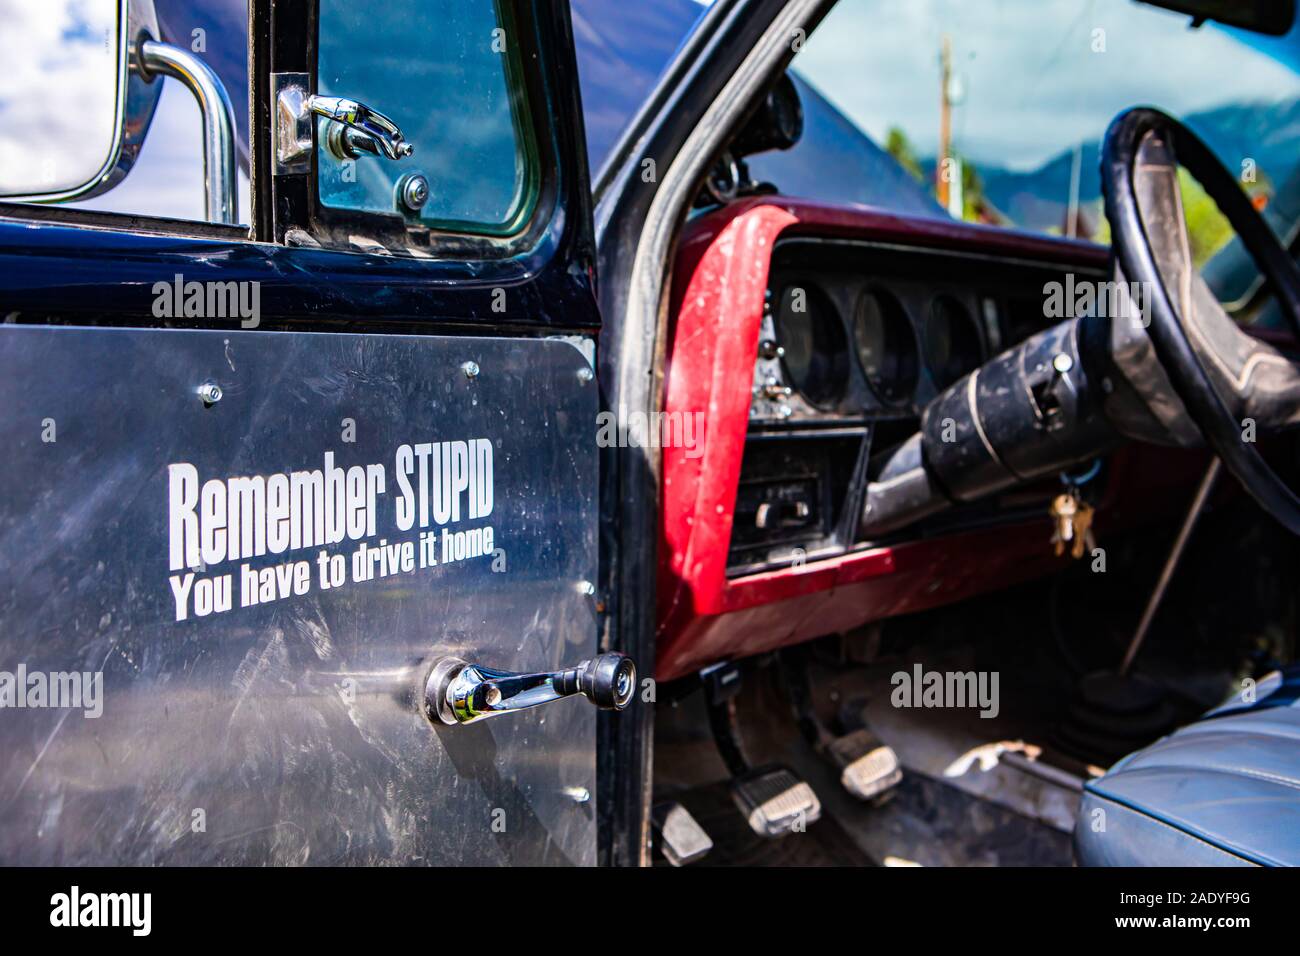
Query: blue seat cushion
point(1222, 791)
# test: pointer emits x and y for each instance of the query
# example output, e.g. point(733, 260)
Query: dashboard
point(856, 338)
point(811, 337)
point(853, 330)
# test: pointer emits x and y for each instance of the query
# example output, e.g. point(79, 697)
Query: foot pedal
point(772, 799)
point(868, 767)
point(680, 837)
point(775, 801)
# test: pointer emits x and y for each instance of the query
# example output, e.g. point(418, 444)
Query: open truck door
point(288, 508)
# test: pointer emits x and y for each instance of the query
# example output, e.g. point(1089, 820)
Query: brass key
point(1083, 538)
point(1073, 518)
point(1065, 507)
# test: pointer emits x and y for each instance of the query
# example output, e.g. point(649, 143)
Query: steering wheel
point(1225, 378)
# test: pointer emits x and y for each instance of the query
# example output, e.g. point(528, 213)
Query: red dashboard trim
point(720, 280)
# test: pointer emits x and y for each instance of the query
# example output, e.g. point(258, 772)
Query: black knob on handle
point(458, 692)
point(607, 680)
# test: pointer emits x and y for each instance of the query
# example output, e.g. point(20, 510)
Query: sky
point(1037, 76)
point(57, 91)
point(56, 100)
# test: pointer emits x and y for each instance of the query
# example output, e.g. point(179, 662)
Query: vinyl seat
point(1223, 791)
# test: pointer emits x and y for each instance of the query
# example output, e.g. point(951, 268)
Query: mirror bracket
point(291, 132)
point(221, 184)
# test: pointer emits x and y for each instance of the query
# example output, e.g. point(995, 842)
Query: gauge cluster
point(856, 338)
point(813, 347)
point(860, 331)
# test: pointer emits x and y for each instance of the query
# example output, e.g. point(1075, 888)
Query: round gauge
point(952, 341)
point(816, 348)
point(886, 346)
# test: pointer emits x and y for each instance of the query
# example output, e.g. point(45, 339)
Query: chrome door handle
point(354, 128)
point(458, 692)
point(369, 130)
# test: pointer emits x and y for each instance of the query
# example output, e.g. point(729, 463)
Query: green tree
point(899, 146)
point(975, 205)
point(1208, 230)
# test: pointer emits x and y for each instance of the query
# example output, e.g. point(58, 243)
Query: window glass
point(445, 71)
point(1031, 87)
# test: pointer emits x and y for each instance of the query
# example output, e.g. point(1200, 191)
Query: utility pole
point(948, 185)
point(1072, 202)
point(945, 121)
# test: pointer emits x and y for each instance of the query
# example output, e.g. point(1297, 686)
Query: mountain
point(1037, 199)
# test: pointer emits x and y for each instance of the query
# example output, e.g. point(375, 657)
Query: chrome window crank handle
point(458, 692)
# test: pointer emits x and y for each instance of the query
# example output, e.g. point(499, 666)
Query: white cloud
point(57, 91)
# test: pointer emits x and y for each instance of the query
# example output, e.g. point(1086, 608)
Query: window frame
point(285, 210)
point(526, 150)
point(298, 217)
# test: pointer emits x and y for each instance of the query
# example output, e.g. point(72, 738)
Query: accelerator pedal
point(868, 766)
point(775, 802)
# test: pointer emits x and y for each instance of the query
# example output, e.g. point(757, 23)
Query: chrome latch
point(354, 128)
point(458, 692)
point(358, 128)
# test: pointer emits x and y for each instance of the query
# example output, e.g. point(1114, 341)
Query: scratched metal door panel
point(287, 732)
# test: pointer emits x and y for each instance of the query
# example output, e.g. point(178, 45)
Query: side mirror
point(75, 105)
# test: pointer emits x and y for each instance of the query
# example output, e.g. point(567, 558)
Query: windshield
point(999, 107)
point(1030, 88)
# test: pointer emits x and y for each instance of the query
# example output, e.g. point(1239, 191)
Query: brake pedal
point(775, 802)
point(680, 837)
point(868, 767)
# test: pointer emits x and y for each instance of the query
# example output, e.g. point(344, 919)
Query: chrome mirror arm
point(458, 692)
point(221, 182)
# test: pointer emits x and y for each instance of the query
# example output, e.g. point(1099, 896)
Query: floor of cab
point(925, 820)
point(1040, 638)
point(921, 820)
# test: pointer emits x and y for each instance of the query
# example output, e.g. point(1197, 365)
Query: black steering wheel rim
point(1169, 337)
